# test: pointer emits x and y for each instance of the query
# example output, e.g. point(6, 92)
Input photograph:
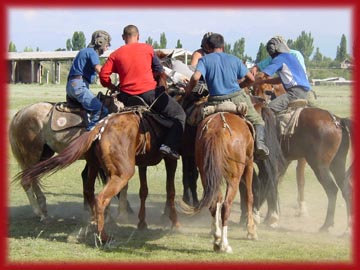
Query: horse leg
point(215, 225)
point(171, 165)
point(37, 200)
point(338, 169)
point(143, 193)
point(124, 208)
point(89, 177)
point(248, 176)
point(243, 206)
point(243, 200)
point(300, 179)
point(272, 216)
point(225, 214)
point(186, 180)
point(190, 176)
point(194, 174)
point(325, 179)
point(102, 200)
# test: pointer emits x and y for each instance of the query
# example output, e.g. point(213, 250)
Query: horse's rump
point(223, 142)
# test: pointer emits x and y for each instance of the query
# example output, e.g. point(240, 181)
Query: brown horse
point(268, 92)
point(224, 149)
point(323, 141)
point(116, 145)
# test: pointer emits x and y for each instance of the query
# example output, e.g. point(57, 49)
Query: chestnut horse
point(224, 148)
point(323, 141)
point(116, 145)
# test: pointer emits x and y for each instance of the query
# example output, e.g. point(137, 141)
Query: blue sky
point(49, 28)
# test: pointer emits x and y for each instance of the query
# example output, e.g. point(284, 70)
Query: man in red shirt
point(137, 66)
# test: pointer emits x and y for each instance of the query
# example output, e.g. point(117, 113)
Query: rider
point(138, 66)
point(311, 97)
point(200, 52)
point(83, 72)
point(222, 72)
point(291, 75)
point(264, 63)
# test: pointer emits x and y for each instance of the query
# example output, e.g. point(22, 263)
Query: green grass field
point(295, 241)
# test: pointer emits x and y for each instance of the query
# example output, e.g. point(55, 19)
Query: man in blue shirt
point(290, 73)
point(83, 72)
point(222, 73)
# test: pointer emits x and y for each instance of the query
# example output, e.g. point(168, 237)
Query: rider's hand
point(253, 70)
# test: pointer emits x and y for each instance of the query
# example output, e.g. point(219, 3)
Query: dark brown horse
point(224, 147)
point(116, 145)
point(323, 140)
point(267, 92)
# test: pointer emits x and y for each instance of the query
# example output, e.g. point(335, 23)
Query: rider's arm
point(97, 68)
point(247, 80)
point(105, 73)
point(193, 81)
point(195, 58)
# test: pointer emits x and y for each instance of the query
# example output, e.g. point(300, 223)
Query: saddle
point(201, 109)
point(65, 115)
point(288, 119)
point(71, 114)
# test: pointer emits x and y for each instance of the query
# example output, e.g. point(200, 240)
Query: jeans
point(281, 102)
point(78, 89)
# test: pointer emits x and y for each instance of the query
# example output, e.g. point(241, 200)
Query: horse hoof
point(45, 219)
point(102, 240)
point(252, 236)
point(324, 229)
point(217, 247)
point(176, 225)
point(227, 250)
point(142, 226)
point(122, 219)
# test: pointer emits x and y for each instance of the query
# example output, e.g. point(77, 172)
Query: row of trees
point(303, 43)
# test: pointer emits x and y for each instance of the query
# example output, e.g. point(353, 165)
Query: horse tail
point(213, 151)
point(74, 151)
point(346, 127)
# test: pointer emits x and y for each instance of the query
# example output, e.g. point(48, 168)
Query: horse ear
point(171, 54)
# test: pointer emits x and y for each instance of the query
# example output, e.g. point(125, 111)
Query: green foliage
point(239, 48)
point(341, 53)
point(262, 53)
point(28, 49)
point(304, 44)
point(12, 47)
point(178, 44)
point(322, 73)
point(227, 48)
point(163, 41)
point(77, 42)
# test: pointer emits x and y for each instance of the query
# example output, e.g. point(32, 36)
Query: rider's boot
point(96, 116)
point(261, 150)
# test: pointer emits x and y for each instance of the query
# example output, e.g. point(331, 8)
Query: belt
point(224, 97)
point(77, 77)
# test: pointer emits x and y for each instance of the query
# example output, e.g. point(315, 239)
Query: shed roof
point(66, 55)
